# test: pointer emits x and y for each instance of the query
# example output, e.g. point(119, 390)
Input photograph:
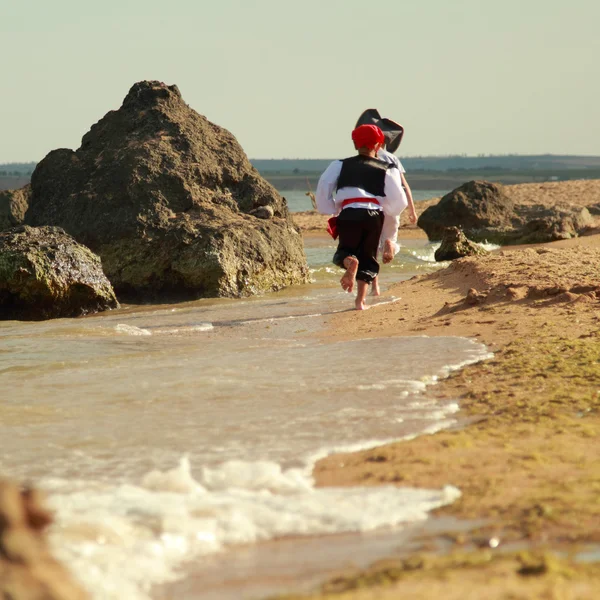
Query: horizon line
point(448, 156)
point(404, 157)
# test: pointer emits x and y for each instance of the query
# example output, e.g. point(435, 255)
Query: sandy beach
point(525, 453)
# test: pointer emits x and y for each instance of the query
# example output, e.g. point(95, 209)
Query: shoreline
point(526, 460)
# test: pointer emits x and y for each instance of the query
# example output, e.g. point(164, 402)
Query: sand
point(525, 452)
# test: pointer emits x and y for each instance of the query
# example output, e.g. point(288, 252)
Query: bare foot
point(348, 278)
point(360, 305)
point(361, 295)
point(388, 252)
point(375, 291)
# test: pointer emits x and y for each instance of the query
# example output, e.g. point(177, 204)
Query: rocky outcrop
point(45, 274)
point(13, 206)
point(171, 204)
point(456, 245)
point(486, 213)
point(547, 224)
point(28, 571)
point(476, 206)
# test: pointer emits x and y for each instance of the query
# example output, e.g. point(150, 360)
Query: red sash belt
point(332, 223)
point(353, 200)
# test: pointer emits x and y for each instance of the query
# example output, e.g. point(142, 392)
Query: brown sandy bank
point(526, 458)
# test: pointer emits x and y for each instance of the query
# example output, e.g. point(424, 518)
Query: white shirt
point(329, 200)
point(391, 158)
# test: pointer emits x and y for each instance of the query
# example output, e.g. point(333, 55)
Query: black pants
point(359, 230)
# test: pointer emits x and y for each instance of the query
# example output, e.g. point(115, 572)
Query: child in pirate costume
point(393, 133)
point(362, 189)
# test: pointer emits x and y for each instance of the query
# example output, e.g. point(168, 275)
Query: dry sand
point(526, 454)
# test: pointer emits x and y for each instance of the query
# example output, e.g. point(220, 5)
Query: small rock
point(517, 293)
point(13, 206)
point(456, 245)
point(263, 212)
point(46, 274)
point(474, 297)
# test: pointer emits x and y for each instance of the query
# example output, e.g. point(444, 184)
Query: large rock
point(485, 213)
point(476, 206)
point(44, 274)
point(456, 245)
point(13, 206)
point(171, 204)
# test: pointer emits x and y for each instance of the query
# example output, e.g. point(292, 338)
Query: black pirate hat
point(392, 131)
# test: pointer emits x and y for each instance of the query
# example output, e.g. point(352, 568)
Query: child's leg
point(361, 294)
point(375, 291)
point(389, 235)
point(388, 251)
point(349, 277)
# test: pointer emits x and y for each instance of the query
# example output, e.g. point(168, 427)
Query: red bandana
point(367, 136)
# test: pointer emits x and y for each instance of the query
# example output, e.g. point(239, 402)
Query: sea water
point(164, 434)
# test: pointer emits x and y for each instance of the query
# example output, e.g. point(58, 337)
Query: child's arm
point(324, 196)
point(412, 213)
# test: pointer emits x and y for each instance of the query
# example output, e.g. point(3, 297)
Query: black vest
point(365, 173)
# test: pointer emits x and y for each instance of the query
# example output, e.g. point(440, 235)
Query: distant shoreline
point(423, 172)
point(418, 181)
point(436, 180)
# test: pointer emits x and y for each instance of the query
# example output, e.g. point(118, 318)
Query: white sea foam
point(178, 479)
point(380, 302)
point(284, 318)
point(131, 330)
point(184, 329)
point(127, 526)
point(427, 253)
point(256, 476)
point(409, 384)
point(373, 386)
point(101, 529)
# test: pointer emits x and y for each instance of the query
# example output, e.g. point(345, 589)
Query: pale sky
point(289, 79)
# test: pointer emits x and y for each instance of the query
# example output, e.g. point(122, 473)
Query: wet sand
point(525, 456)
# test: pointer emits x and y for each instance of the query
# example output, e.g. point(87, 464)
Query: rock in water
point(45, 274)
point(171, 204)
point(456, 245)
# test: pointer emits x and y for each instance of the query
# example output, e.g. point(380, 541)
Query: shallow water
point(166, 433)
